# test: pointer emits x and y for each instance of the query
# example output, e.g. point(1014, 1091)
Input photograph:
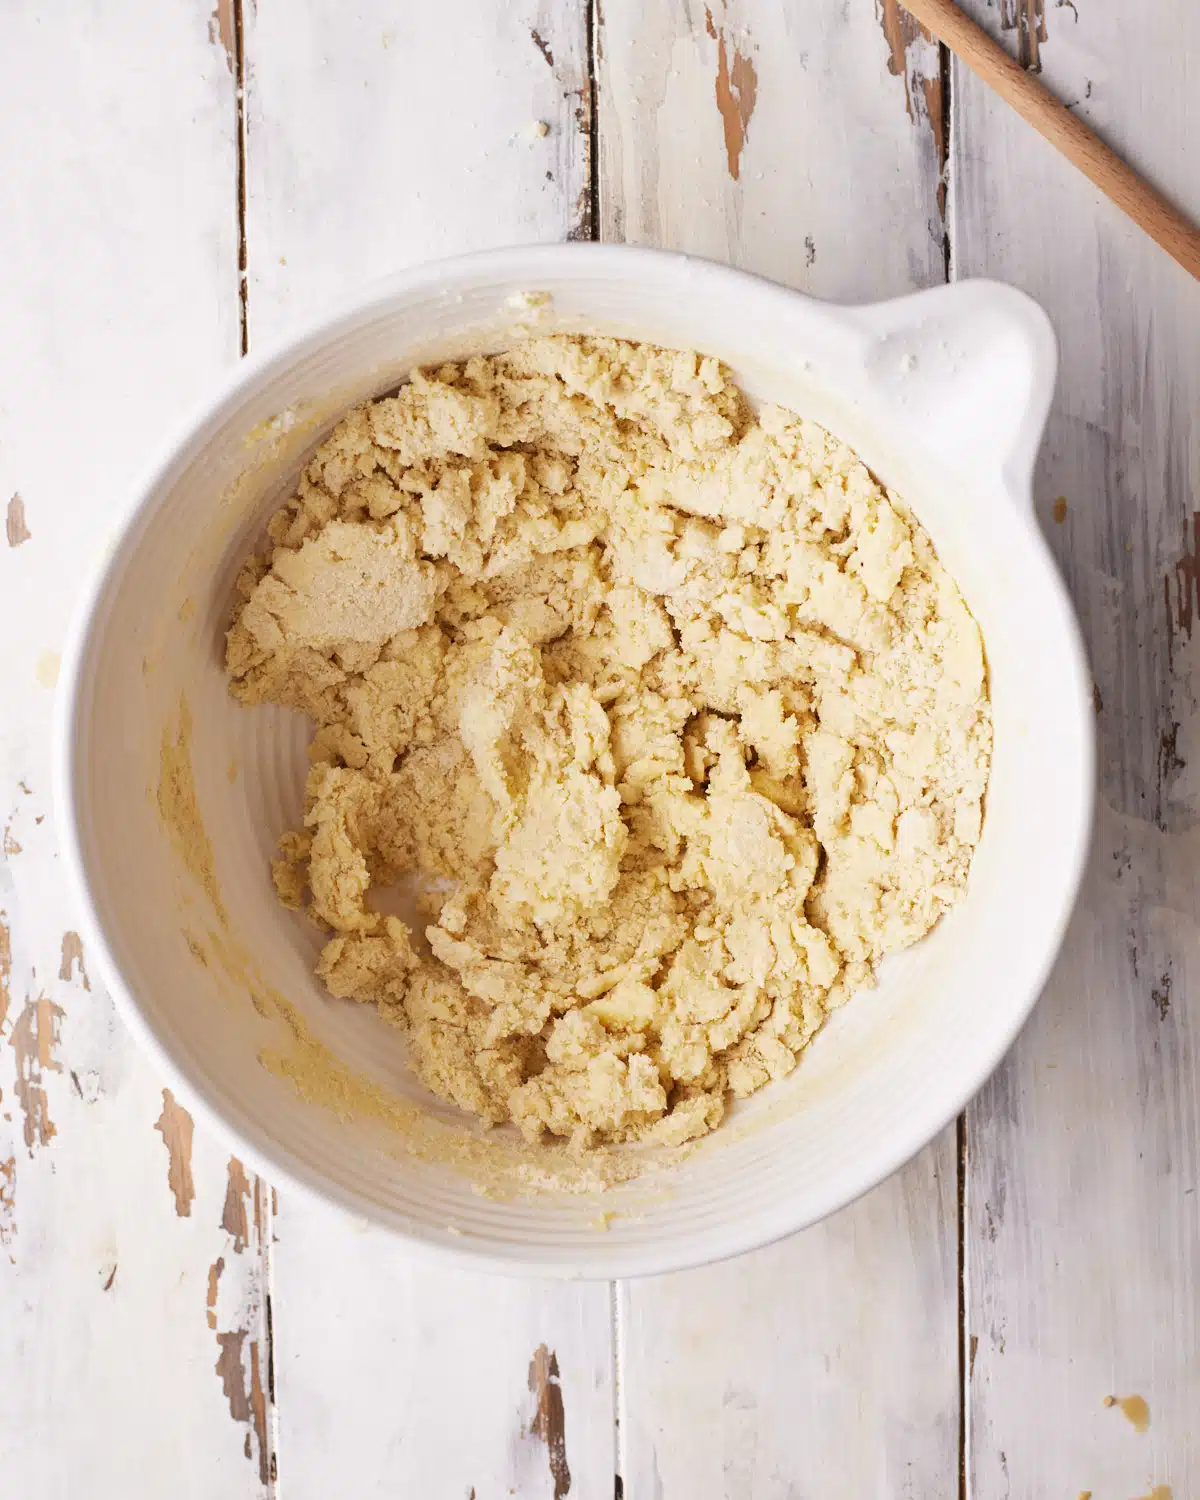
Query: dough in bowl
point(668, 708)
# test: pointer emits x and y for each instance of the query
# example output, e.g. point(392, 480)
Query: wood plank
point(413, 133)
point(405, 1379)
point(410, 133)
point(803, 144)
point(1081, 1224)
point(824, 1364)
point(134, 1299)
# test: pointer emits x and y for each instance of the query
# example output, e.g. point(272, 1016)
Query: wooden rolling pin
point(1161, 220)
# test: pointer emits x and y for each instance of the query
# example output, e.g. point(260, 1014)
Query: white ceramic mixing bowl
point(944, 394)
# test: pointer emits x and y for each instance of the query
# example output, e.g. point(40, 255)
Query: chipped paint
point(1060, 510)
point(247, 1404)
point(924, 95)
point(1170, 764)
point(232, 1371)
point(900, 31)
point(933, 95)
point(1161, 996)
point(35, 1035)
point(8, 1200)
point(72, 959)
point(244, 1363)
point(582, 217)
point(258, 1414)
point(175, 1127)
point(214, 1281)
point(1028, 19)
point(549, 1420)
point(14, 523)
point(87, 1087)
point(5, 968)
point(736, 92)
point(235, 1218)
point(221, 32)
point(1185, 575)
point(540, 43)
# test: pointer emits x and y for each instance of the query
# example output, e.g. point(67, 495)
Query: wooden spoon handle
point(1161, 220)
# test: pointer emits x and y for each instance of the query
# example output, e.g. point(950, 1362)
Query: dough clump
point(669, 710)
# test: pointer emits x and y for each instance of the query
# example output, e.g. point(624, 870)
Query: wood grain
point(1082, 1151)
point(422, 1381)
point(828, 1363)
point(362, 158)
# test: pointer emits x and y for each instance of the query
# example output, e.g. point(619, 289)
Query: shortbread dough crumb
point(670, 710)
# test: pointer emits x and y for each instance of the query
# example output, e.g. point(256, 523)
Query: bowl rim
point(272, 1160)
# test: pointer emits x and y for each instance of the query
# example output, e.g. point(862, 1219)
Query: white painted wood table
point(178, 185)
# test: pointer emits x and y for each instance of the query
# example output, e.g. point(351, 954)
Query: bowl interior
point(234, 1011)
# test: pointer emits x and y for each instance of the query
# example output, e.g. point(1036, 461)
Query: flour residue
point(1134, 1409)
point(179, 808)
point(497, 1163)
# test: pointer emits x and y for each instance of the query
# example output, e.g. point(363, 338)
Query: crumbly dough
point(669, 708)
